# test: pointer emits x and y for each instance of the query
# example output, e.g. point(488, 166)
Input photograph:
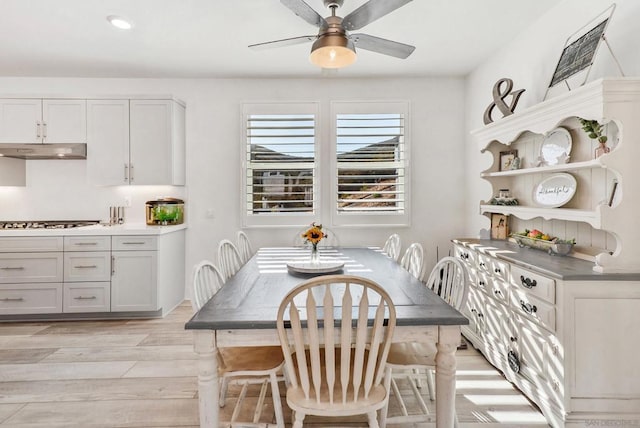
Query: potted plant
point(594, 131)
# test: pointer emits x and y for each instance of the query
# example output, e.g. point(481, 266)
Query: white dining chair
point(415, 360)
point(336, 379)
point(413, 259)
point(241, 365)
point(244, 246)
point(229, 260)
point(392, 247)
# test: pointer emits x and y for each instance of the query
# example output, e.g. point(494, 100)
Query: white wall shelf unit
point(614, 102)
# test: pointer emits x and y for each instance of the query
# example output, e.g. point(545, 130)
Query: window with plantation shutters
point(371, 163)
point(280, 161)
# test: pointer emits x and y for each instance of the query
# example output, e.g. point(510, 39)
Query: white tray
point(325, 266)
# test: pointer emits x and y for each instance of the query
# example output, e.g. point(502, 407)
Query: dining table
point(243, 313)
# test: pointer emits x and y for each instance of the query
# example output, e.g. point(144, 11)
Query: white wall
point(58, 189)
point(530, 60)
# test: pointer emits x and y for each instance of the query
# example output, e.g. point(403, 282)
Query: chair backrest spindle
point(229, 259)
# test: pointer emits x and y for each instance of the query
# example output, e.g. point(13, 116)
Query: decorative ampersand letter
point(498, 99)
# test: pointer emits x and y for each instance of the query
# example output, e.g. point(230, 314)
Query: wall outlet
point(210, 213)
point(127, 201)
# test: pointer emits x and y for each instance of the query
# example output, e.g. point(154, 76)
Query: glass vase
point(601, 150)
point(315, 255)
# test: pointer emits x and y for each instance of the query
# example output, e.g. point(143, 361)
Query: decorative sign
point(555, 190)
point(578, 55)
point(499, 100)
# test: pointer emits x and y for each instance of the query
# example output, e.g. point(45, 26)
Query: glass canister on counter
point(165, 212)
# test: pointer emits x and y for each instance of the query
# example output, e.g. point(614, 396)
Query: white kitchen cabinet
point(134, 281)
point(138, 142)
point(43, 121)
point(86, 297)
point(33, 298)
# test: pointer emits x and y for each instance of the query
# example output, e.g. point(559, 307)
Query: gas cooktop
point(47, 224)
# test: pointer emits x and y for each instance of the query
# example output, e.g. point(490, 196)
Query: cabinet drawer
point(465, 255)
point(484, 263)
point(134, 243)
point(30, 298)
point(87, 243)
point(533, 308)
point(87, 297)
point(499, 290)
point(533, 344)
point(28, 244)
point(95, 266)
point(534, 283)
point(30, 267)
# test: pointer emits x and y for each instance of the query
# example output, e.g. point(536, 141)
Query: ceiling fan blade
point(283, 42)
point(306, 12)
point(383, 46)
point(369, 12)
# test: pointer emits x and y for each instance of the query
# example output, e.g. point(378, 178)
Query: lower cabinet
point(569, 344)
point(134, 281)
point(87, 297)
point(30, 298)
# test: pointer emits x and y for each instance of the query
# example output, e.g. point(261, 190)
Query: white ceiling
point(209, 38)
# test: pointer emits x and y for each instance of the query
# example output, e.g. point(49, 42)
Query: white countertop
point(121, 229)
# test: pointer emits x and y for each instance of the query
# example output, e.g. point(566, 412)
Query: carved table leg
point(207, 377)
point(448, 341)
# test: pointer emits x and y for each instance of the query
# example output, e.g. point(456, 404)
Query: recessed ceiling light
point(119, 22)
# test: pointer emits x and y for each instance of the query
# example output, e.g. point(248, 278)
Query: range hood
point(44, 151)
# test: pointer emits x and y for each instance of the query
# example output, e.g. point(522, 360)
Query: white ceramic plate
point(556, 147)
point(555, 190)
point(328, 266)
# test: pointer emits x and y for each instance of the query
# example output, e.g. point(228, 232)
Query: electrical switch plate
point(127, 201)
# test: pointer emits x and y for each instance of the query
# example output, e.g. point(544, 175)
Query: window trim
point(342, 218)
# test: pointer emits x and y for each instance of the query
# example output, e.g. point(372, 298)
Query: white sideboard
point(565, 335)
point(98, 272)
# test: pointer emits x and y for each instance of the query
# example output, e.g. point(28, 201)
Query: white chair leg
point(430, 385)
point(298, 418)
point(416, 372)
point(277, 403)
point(387, 387)
point(373, 420)
point(223, 390)
point(455, 420)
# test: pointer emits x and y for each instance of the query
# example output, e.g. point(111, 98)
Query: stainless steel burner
point(48, 224)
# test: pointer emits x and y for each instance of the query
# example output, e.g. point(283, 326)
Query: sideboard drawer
point(89, 266)
point(87, 243)
point(30, 267)
point(87, 297)
point(534, 283)
point(464, 254)
point(30, 298)
point(533, 308)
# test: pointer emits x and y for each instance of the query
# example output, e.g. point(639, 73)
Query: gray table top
point(250, 299)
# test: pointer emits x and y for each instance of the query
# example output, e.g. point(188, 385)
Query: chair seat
point(254, 359)
point(412, 355)
point(297, 401)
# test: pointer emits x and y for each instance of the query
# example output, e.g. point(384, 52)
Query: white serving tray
point(328, 266)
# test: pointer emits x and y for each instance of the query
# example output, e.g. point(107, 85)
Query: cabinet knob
point(528, 282)
point(497, 270)
point(513, 339)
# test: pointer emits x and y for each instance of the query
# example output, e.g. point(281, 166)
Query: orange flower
point(314, 234)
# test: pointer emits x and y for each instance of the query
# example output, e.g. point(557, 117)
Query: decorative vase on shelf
point(601, 149)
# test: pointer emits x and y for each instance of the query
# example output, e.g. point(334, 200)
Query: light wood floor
point(142, 373)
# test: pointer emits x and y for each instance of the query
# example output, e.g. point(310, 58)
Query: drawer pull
point(85, 267)
point(474, 310)
point(497, 270)
point(480, 315)
point(528, 282)
point(12, 268)
point(528, 307)
point(464, 256)
point(513, 339)
point(133, 243)
point(85, 298)
point(481, 283)
point(497, 292)
point(482, 264)
point(13, 299)
point(86, 243)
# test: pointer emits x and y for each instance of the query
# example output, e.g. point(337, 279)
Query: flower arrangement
point(314, 235)
point(594, 130)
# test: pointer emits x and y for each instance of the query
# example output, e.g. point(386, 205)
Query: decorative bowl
point(558, 248)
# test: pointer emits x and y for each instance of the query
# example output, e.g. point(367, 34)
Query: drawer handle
point(133, 243)
point(482, 264)
point(85, 298)
point(86, 243)
point(480, 315)
point(13, 299)
point(464, 256)
point(12, 268)
point(497, 270)
point(513, 339)
point(85, 267)
point(481, 283)
point(497, 292)
point(528, 307)
point(528, 282)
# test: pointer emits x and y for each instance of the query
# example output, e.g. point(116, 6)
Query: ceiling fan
point(334, 46)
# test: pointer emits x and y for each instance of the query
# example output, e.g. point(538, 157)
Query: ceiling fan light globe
point(333, 51)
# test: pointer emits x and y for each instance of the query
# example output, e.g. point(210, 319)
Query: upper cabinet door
point(64, 121)
point(151, 142)
point(108, 142)
point(20, 121)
